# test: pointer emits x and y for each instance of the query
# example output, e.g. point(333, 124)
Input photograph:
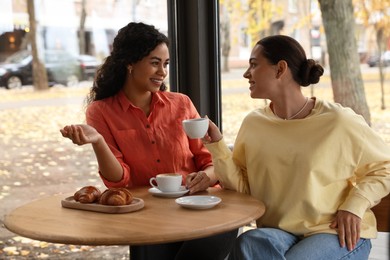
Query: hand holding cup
point(213, 133)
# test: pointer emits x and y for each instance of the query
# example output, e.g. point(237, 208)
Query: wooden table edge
point(110, 242)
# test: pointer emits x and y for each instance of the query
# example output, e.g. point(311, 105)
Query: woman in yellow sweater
point(316, 165)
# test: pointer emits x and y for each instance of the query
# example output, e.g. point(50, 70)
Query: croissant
point(87, 194)
point(116, 197)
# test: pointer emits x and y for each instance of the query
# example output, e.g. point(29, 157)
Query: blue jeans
point(270, 243)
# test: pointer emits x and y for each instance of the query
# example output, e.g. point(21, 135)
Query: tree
point(254, 18)
point(83, 17)
point(40, 81)
point(344, 62)
point(260, 17)
point(375, 13)
point(225, 37)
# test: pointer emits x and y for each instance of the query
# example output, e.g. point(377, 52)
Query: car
point(62, 68)
point(373, 60)
point(88, 65)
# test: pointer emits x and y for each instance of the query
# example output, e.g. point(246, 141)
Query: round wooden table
point(161, 220)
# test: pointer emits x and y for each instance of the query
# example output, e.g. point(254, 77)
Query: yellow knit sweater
point(305, 170)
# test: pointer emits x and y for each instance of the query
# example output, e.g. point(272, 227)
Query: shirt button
point(147, 126)
point(158, 160)
point(153, 142)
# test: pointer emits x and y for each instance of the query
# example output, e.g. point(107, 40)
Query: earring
point(129, 69)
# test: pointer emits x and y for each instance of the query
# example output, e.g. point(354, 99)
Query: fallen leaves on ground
point(22, 248)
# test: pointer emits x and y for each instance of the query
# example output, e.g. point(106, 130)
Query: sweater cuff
point(218, 149)
point(356, 204)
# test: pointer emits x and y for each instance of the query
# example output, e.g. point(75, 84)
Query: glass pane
point(70, 42)
point(242, 24)
point(35, 160)
point(236, 45)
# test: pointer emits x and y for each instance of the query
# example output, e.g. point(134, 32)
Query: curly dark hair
point(132, 43)
point(281, 47)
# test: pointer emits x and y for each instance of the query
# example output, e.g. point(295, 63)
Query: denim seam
point(350, 254)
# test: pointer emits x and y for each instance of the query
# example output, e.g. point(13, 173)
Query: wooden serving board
point(135, 205)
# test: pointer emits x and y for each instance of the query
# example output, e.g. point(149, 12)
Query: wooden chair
point(382, 214)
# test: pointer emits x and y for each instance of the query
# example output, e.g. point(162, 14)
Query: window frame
point(193, 30)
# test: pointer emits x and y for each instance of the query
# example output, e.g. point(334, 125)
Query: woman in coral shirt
point(135, 129)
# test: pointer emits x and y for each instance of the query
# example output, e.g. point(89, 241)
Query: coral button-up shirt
point(146, 146)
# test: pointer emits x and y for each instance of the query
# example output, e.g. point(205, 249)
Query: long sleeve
point(305, 170)
point(372, 173)
point(97, 119)
point(230, 174)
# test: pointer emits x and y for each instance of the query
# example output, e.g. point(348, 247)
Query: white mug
point(167, 182)
point(196, 128)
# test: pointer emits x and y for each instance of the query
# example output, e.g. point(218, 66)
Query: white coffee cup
point(167, 182)
point(196, 128)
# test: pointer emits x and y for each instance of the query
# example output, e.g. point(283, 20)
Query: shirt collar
point(126, 104)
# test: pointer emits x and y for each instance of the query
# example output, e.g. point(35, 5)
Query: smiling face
point(149, 73)
point(261, 74)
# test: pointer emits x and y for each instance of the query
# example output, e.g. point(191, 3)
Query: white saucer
point(198, 201)
point(183, 190)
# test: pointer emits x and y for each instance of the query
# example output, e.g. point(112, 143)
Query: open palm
point(80, 134)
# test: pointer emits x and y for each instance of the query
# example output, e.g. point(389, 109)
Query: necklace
point(297, 113)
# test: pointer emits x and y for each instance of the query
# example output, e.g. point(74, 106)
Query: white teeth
point(157, 81)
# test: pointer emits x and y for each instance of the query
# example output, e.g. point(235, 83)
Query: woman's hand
point(348, 228)
point(81, 134)
point(213, 134)
point(197, 181)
